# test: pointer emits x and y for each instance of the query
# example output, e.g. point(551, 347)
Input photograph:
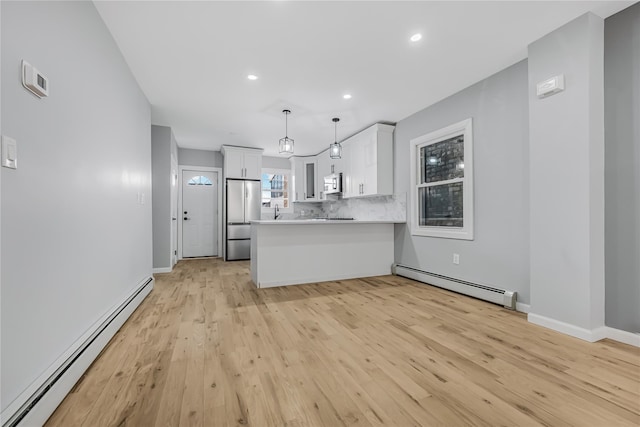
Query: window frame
point(277, 171)
point(466, 232)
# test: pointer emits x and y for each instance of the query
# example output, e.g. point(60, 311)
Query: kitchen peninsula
point(289, 252)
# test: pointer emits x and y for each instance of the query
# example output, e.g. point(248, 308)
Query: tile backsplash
point(379, 208)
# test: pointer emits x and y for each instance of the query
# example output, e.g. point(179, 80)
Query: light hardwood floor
point(208, 349)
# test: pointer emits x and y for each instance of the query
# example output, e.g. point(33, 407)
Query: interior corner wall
point(202, 158)
point(567, 179)
point(76, 240)
point(162, 147)
point(499, 254)
point(622, 169)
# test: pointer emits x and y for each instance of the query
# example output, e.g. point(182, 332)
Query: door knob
point(185, 212)
point(174, 219)
point(186, 219)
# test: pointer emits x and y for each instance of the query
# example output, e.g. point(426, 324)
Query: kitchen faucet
point(276, 212)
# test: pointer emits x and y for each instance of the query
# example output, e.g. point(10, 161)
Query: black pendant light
point(286, 143)
point(335, 149)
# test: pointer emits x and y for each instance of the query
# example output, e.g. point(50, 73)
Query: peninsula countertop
point(321, 221)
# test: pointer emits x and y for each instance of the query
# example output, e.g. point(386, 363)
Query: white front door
point(174, 211)
point(199, 213)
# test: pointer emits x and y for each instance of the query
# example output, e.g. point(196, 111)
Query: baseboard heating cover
point(497, 296)
point(41, 404)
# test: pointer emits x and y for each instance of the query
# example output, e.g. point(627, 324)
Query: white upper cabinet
point(324, 169)
point(328, 166)
point(369, 156)
point(242, 162)
point(366, 165)
point(305, 179)
point(311, 179)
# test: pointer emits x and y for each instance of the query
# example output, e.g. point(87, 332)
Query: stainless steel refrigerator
point(243, 206)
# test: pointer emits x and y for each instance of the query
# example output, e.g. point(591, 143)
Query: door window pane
point(199, 180)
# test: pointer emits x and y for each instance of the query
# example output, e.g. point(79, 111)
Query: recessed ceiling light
point(252, 77)
point(346, 96)
point(416, 37)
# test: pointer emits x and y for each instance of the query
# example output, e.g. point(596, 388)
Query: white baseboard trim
point(523, 308)
point(592, 335)
point(46, 393)
point(162, 270)
point(566, 328)
point(623, 336)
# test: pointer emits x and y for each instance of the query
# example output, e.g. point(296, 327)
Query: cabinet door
point(323, 170)
point(369, 164)
point(337, 165)
point(310, 179)
point(252, 165)
point(234, 164)
point(297, 171)
point(356, 166)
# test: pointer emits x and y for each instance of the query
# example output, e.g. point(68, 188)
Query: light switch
point(9, 152)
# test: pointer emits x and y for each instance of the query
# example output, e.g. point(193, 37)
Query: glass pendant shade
point(335, 149)
point(286, 143)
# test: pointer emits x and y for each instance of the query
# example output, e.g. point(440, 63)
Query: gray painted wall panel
point(566, 176)
point(202, 158)
point(499, 255)
point(75, 239)
point(622, 169)
point(275, 162)
point(162, 144)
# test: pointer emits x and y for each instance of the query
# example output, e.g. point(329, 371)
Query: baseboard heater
point(483, 292)
point(65, 377)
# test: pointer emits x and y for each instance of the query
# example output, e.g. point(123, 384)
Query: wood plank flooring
point(208, 349)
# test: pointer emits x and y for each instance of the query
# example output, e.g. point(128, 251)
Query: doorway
point(199, 206)
point(174, 211)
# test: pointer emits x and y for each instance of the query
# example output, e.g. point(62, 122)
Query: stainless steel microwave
point(333, 183)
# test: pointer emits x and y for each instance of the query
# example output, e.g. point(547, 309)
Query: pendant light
point(286, 143)
point(335, 149)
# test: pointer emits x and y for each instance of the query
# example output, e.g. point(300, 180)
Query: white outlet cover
point(9, 152)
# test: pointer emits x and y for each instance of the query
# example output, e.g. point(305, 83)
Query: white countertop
point(321, 221)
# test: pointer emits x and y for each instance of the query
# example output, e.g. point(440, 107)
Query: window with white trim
point(275, 190)
point(442, 182)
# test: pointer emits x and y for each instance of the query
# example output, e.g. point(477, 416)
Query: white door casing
point(218, 206)
point(174, 211)
point(199, 212)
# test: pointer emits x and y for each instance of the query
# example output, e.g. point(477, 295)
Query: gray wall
point(75, 239)
point(203, 158)
point(499, 255)
point(275, 162)
point(622, 169)
point(566, 166)
point(215, 159)
point(163, 145)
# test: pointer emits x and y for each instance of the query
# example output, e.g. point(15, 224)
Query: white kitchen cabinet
point(311, 179)
point(368, 160)
point(328, 166)
point(240, 162)
point(305, 178)
point(324, 169)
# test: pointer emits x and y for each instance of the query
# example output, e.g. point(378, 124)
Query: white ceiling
point(192, 59)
